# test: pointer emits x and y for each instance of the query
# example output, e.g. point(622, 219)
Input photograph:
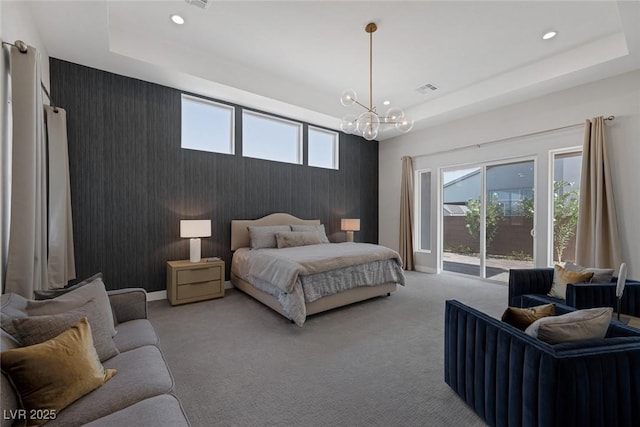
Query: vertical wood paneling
point(131, 182)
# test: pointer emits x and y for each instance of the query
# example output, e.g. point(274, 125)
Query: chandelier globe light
point(369, 123)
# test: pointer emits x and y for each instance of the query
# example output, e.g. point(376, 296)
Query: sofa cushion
point(54, 293)
point(75, 299)
point(521, 318)
point(12, 306)
point(51, 375)
point(578, 325)
point(36, 329)
point(562, 277)
point(142, 373)
point(134, 334)
point(8, 399)
point(164, 410)
point(600, 275)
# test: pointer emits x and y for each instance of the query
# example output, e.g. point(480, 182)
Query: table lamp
point(350, 225)
point(194, 229)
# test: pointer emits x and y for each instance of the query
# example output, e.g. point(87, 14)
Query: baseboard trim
point(425, 269)
point(160, 295)
point(156, 296)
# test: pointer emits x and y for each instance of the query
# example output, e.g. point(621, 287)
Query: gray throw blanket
point(281, 267)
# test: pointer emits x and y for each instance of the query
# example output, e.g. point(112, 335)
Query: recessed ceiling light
point(177, 19)
point(387, 102)
point(549, 35)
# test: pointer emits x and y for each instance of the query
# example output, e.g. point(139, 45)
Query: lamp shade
point(622, 280)
point(350, 224)
point(195, 228)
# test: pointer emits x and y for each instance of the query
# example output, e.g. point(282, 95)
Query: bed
point(303, 280)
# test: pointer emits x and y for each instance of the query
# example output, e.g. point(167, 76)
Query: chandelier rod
point(371, 28)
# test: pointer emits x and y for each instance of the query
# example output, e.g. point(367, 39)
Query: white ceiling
point(296, 57)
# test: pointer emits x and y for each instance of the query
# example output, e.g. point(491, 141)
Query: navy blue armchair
point(533, 284)
point(511, 379)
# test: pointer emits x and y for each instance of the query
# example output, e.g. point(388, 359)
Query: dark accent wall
point(131, 182)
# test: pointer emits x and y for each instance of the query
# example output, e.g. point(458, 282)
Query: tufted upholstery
point(511, 379)
point(537, 281)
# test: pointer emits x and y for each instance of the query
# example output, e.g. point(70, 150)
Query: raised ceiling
point(296, 57)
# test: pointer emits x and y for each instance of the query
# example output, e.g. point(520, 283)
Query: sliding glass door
point(487, 217)
point(461, 189)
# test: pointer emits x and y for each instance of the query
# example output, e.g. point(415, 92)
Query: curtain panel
point(406, 214)
point(40, 251)
point(597, 239)
point(27, 252)
point(61, 262)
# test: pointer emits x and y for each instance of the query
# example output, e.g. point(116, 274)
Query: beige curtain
point(597, 240)
point(27, 252)
point(61, 262)
point(406, 213)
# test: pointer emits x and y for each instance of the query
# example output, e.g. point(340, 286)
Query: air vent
point(202, 4)
point(427, 88)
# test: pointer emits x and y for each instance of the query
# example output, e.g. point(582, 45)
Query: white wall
point(16, 23)
point(618, 96)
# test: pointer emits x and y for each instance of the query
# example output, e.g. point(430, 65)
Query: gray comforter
point(307, 273)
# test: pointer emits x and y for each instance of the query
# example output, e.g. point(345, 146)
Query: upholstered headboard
point(240, 232)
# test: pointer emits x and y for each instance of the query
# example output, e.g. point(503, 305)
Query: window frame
point(336, 147)
point(418, 209)
point(300, 134)
point(205, 101)
point(550, 196)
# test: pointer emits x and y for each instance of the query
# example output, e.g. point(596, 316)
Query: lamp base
point(194, 250)
point(349, 236)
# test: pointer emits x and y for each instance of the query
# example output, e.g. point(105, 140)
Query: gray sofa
point(142, 391)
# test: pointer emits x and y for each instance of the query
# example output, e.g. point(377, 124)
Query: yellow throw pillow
point(562, 277)
point(51, 375)
point(521, 318)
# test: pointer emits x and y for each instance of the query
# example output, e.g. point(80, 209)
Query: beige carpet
point(376, 363)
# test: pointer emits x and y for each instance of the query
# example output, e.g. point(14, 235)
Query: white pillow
point(600, 275)
point(578, 325)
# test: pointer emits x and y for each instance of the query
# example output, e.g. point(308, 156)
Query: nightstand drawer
point(198, 275)
point(194, 290)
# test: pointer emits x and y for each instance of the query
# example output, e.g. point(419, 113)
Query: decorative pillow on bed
point(265, 236)
point(291, 239)
point(562, 277)
point(317, 228)
point(600, 275)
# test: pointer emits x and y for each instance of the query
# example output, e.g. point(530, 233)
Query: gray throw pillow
point(265, 236)
point(600, 275)
point(12, 306)
point(36, 329)
point(75, 299)
point(54, 293)
point(292, 239)
point(578, 325)
point(317, 228)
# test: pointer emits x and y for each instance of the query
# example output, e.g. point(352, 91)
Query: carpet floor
point(376, 363)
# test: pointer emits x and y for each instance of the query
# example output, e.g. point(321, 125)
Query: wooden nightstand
point(194, 281)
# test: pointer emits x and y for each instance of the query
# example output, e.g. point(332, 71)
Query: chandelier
point(368, 123)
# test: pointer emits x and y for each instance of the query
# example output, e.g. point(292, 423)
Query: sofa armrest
point(128, 304)
point(529, 281)
point(589, 295)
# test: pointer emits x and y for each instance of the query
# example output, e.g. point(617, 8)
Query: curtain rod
point(497, 141)
point(22, 48)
